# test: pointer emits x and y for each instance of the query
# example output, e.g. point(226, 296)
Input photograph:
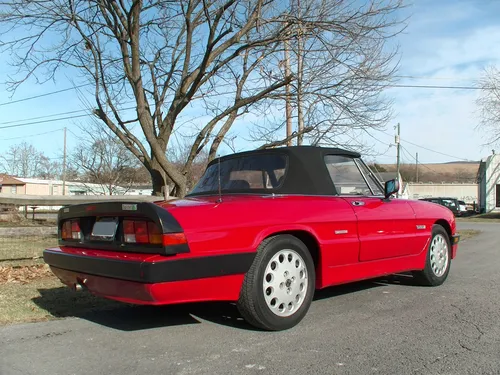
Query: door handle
point(358, 203)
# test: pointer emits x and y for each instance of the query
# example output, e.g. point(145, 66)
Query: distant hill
point(462, 162)
point(462, 172)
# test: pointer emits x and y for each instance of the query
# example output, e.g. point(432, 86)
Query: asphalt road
point(383, 327)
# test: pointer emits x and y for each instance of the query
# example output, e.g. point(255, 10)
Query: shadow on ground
point(63, 302)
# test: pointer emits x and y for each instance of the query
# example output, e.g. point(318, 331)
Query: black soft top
point(306, 171)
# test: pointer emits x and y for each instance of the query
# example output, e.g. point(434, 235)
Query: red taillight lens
point(75, 230)
point(128, 231)
point(139, 231)
point(71, 230)
point(174, 239)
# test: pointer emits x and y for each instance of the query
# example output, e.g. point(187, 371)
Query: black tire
point(252, 303)
point(427, 276)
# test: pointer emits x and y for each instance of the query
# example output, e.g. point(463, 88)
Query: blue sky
point(446, 43)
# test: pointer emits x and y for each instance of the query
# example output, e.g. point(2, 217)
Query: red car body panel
point(224, 288)
point(352, 237)
point(384, 228)
point(340, 230)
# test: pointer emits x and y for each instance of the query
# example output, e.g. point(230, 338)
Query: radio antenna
point(220, 187)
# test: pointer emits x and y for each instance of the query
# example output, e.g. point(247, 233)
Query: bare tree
point(169, 56)
point(341, 72)
point(489, 104)
point(102, 159)
point(24, 160)
point(51, 169)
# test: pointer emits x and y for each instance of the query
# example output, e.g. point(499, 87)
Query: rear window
point(246, 173)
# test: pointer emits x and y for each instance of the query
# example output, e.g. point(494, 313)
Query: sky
point(446, 43)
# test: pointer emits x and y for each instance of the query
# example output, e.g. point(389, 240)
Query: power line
point(436, 78)
point(57, 119)
point(42, 117)
point(42, 95)
point(415, 159)
point(31, 135)
point(441, 87)
point(43, 122)
point(213, 94)
point(88, 84)
point(426, 148)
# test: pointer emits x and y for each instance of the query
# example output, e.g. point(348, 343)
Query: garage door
point(498, 196)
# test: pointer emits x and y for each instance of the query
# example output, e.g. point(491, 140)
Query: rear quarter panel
point(240, 224)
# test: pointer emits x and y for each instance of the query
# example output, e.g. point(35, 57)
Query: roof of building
point(6, 179)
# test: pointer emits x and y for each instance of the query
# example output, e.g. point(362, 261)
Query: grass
point(15, 249)
point(491, 217)
point(28, 224)
point(466, 234)
point(46, 298)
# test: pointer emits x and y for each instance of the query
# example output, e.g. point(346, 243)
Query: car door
point(386, 227)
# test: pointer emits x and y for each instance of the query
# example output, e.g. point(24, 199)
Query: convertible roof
point(303, 152)
point(306, 172)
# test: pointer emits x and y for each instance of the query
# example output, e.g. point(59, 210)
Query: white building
point(461, 191)
point(488, 179)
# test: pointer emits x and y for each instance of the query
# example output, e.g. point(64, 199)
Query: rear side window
point(246, 173)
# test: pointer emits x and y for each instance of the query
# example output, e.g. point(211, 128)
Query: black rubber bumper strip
point(148, 272)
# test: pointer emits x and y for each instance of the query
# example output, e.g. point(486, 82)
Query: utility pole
point(287, 96)
point(64, 165)
point(416, 167)
point(398, 145)
point(300, 72)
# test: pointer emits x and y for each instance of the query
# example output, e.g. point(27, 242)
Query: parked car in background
point(264, 229)
point(451, 203)
point(463, 207)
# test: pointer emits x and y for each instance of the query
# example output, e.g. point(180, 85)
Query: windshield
point(246, 173)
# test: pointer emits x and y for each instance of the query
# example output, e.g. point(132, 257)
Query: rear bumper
point(170, 269)
point(189, 279)
point(225, 288)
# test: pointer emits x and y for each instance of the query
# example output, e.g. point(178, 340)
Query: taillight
point(147, 232)
point(174, 239)
point(71, 230)
point(155, 235)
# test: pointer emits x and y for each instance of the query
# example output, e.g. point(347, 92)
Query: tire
point(438, 259)
point(278, 298)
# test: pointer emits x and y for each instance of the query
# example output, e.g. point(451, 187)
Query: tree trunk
point(159, 179)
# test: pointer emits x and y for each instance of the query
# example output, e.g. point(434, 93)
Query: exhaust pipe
point(79, 285)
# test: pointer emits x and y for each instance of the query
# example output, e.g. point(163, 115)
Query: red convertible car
point(264, 229)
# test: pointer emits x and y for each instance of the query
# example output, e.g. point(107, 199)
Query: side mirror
point(391, 187)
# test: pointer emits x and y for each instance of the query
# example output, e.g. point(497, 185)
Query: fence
point(22, 240)
point(21, 245)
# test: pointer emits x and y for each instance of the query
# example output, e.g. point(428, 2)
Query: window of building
point(13, 189)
